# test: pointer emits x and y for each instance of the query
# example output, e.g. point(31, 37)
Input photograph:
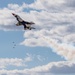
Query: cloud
point(17, 62)
point(41, 38)
point(28, 58)
point(55, 28)
point(46, 5)
point(58, 26)
point(70, 4)
point(62, 67)
point(14, 63)
point(17, 8)
point(5, 62)
point(54, 6)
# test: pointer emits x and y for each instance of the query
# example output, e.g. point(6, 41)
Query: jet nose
point(13, 14)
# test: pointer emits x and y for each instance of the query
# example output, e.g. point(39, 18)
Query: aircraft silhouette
point(27, 25)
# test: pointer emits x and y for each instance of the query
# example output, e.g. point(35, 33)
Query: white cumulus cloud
point(55, 28)
point(53, 68)
point(17, 62)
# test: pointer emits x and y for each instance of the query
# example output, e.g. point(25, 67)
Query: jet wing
point(29, 23)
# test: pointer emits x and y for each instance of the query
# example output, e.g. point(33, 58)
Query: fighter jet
point(27, 25)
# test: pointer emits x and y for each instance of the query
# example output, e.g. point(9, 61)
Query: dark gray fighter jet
point(27, 25)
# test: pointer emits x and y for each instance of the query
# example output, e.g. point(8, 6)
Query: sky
point(47, 50)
